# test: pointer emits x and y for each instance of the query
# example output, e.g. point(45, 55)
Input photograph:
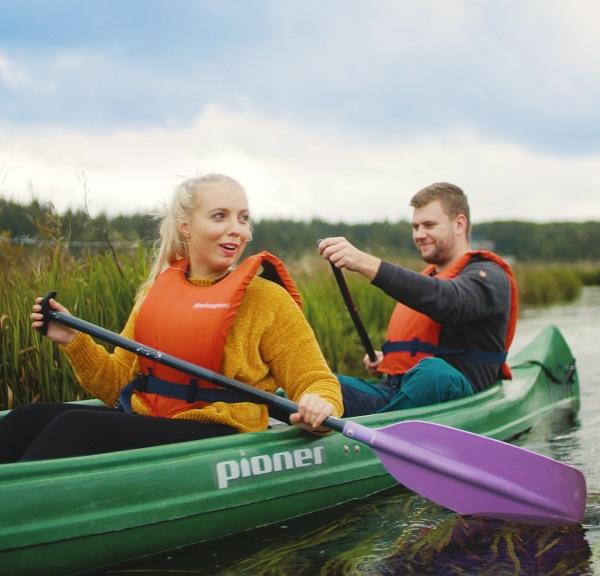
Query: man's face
point(434, 234)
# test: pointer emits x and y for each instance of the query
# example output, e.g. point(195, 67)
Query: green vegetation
point(32, 368)
point(553, 241)
point(27, 223)
point(100, 286)
point(541, 284)
point(523, 241)
point(93, 287)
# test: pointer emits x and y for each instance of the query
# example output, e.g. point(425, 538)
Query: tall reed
point(543, 284)
point(32, 368)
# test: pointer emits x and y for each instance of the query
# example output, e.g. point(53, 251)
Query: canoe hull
point(72, 515)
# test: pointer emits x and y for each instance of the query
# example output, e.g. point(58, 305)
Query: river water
point(396, 533)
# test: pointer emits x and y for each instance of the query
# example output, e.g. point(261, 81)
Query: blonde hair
point(171, 245)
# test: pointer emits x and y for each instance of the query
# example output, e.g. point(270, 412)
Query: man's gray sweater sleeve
point(482, 290)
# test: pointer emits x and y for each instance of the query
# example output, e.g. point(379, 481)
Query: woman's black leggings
point(44, 431)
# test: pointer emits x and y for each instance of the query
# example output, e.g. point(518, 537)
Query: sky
point(331, 109)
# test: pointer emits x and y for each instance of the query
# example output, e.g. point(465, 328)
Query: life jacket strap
point(417, 346)
point(189, 392)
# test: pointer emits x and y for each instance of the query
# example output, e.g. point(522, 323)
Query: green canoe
point(71, 515)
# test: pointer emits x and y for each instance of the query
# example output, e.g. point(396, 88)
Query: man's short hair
point(453, 200)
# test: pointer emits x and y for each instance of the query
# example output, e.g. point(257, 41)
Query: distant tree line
point(524, 241)
point(39, 220)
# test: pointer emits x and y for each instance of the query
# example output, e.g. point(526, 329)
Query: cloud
point(511, 71)
point(11, 74)
point(295, 170)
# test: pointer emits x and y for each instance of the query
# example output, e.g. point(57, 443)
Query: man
point(453, 324)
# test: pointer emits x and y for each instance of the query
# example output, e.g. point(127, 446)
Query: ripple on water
point(591, 520)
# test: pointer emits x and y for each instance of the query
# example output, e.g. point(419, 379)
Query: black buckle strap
point(414, 346)
point(192, 388)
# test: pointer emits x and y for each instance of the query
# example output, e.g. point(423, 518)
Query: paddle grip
point(46, 312)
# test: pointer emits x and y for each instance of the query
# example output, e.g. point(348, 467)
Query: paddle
point(360, 328)
point(468, 473)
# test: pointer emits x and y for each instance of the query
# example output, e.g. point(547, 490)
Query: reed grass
point(94, 288)
point(32, 368)
point(588, 272)
point(542, 284)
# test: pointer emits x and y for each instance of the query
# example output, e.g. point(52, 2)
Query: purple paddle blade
point(476, 475)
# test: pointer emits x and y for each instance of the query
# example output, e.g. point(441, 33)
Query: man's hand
point(372, 367)
point(342, 254)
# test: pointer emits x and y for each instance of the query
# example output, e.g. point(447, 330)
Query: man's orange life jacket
point(412, 336)
point(192, 323)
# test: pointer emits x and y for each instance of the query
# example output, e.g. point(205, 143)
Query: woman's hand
point(312, 411)
point(57, 332)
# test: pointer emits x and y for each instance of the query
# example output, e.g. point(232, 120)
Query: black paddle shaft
point(255, 394)
point(360, 328)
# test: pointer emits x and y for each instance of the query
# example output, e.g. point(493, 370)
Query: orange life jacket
point(192, 323)
point(412, 336)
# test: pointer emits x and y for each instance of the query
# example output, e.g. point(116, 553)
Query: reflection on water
point(426, 541)
point(396, 533)
point(390, 534)
point(459, 546)
point(557, 437)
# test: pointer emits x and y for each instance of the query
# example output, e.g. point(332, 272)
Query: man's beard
point(439, 256)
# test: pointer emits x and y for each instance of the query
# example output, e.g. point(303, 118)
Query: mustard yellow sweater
point(270, 345)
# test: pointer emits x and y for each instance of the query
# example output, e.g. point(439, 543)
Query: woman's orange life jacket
point(192, 323)
point(412, 336)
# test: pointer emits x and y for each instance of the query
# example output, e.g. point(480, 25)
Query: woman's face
point(217, 231)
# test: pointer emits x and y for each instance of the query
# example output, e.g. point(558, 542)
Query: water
point(397, 533)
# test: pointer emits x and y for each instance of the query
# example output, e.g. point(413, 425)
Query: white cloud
point(295, 170)
point(11, 73)
point(521, 71)
point(548, 41)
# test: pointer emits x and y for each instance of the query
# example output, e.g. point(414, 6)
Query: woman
point(196, 306)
